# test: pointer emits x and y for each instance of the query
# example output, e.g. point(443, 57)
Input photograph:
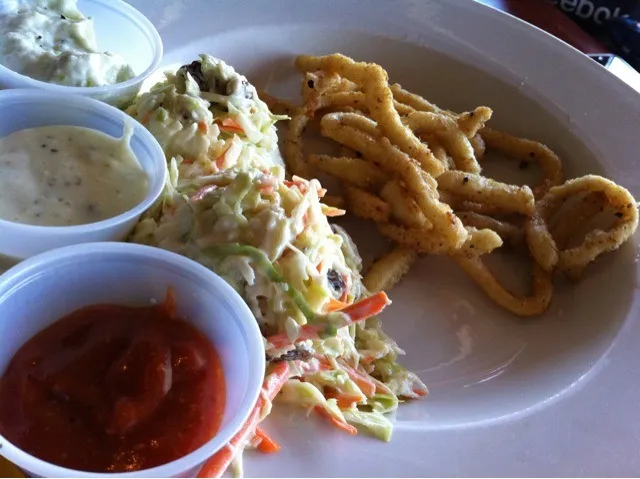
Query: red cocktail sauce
point(113, 389)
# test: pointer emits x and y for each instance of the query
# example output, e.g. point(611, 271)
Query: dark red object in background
point(546, 16)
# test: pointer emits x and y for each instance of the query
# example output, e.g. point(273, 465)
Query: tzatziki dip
point(52, 41)
point(67, 175)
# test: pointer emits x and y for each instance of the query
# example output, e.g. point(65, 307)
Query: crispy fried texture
point(572, 261)
point(408, 164)
point(388, 270)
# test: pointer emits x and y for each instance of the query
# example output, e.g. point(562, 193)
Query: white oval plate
point(550, 396)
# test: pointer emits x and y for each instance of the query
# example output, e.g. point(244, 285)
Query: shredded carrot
point(203, 127)
point(335, 305)
point(281, 340)
point(267, 444)
point(345, 400)
point(221, 159)
point(230, 125)
point(419, 392)
point(267, 184)
point(344, 296)
point(302, 186)
point(145, 119)
point(348, 428)
point(202, 192)
point(188, 161)
point(355, 312)
point(367, 307)
point(347, 287)
point(219, 462)
point(366, 385)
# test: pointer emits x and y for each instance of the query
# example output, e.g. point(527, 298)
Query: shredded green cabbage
point(229, 206)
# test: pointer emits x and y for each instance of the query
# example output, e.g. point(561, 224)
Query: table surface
point(544, 15)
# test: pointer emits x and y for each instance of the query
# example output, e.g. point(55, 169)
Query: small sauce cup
point(121, 29)
point(47, 287)
point(21, 109)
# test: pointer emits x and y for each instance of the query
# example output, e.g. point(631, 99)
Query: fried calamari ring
point(479, 189)
point(358, 172)
point(577, 216)
point(424, 241)
point(479, 146)
point(366, 205)
point(439, 151)
point(526, 151)
point(572, 261)
point(461, 151)
point(402, 108)
point(319, 83)
point(373, 80)
point(532, 305)
point(510, 233)
point(471, 122)
point(293, 143)
point(384, 154)
point(479, 242)
point(416, 102)
point(404, 209)
point(452, 137)
point(389, 269)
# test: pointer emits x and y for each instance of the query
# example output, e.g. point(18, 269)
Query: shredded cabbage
point(229, 206)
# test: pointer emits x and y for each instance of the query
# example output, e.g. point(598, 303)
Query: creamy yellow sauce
point(67, 175)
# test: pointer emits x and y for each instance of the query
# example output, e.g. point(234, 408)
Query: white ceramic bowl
point(47, 287)
point(41, 108)
point(121, 29)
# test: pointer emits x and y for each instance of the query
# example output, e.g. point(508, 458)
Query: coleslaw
point(229, 205)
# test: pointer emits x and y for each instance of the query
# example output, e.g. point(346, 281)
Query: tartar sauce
point(67, 175)
point(50, 40)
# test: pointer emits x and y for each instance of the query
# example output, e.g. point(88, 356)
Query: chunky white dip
point(50, 40)
point(67, 175)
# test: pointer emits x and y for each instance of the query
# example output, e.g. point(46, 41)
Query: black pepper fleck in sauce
point(56, 165)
